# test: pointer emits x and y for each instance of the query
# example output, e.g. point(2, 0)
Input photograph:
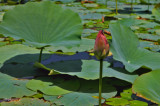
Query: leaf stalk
point(116, 7)
point(100, 81)
point(40, 55)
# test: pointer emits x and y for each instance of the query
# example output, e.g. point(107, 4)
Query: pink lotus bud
point(101, 47)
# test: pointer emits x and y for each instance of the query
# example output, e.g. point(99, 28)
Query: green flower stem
point(40, 55)
point(106, 4)
point(148, 5)
point(100, 81)
point(116, 8)
point(132, 5)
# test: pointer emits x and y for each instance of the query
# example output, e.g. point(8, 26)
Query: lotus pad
point(147, 86)
point(42, 23)
point(12, 87)
point(125, 48)
point(87, 69)
point(80, 91)
point(27, 102)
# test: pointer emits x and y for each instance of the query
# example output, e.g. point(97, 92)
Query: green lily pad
point(88, 69)
point(148, 36)
point(10, 51)
point(65, 1)
point(126, 94)
point(21, 70)
point(1, 16)
point(152, 31)
point(125, 48)
point(148, 16)
point(3, 43)
point(131, 21)
point(146, 44)
point(92, 16)
point(39, 27)
point(27, 102)
point(91, 5)
point(101, 10)
point(12, 87)
point(122, 16)
point(157, 32)
point(117, 102)
point(6, 7)
point(82, 92)
point(137, 103)
point(149, 90)
point(74, 99)
point(150, 25)
point(16, 60)
point(156, 12)
point(46, 85)
point(87, 32)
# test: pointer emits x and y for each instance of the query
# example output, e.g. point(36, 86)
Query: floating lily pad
point(65, 1)
point(27, 102)
point(10, 51)
point(117, 102)
point(137, 103)
point(17, 60)
point(149, 25)
point(145, 44)
point(39, 27)
point(126, 94)
point(78, 9)
point(125, 48)
point(156, 12)
point(150, 45)
point(101, 10)
point(132, 21)
point(91, 5)
point(123, 16)
point(148, 36)
point(3, 43)
point(6, 7)
point(21, 70)
point(47, 86)
point(81, 91)
point(149, 90)
point(74, 99)
point(12, 87)
point(1, 16)
point(88, 69)
point(87, 32)
point(157, 32)
point(92, 16)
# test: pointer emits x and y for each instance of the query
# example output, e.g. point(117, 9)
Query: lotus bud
point(101, 47)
